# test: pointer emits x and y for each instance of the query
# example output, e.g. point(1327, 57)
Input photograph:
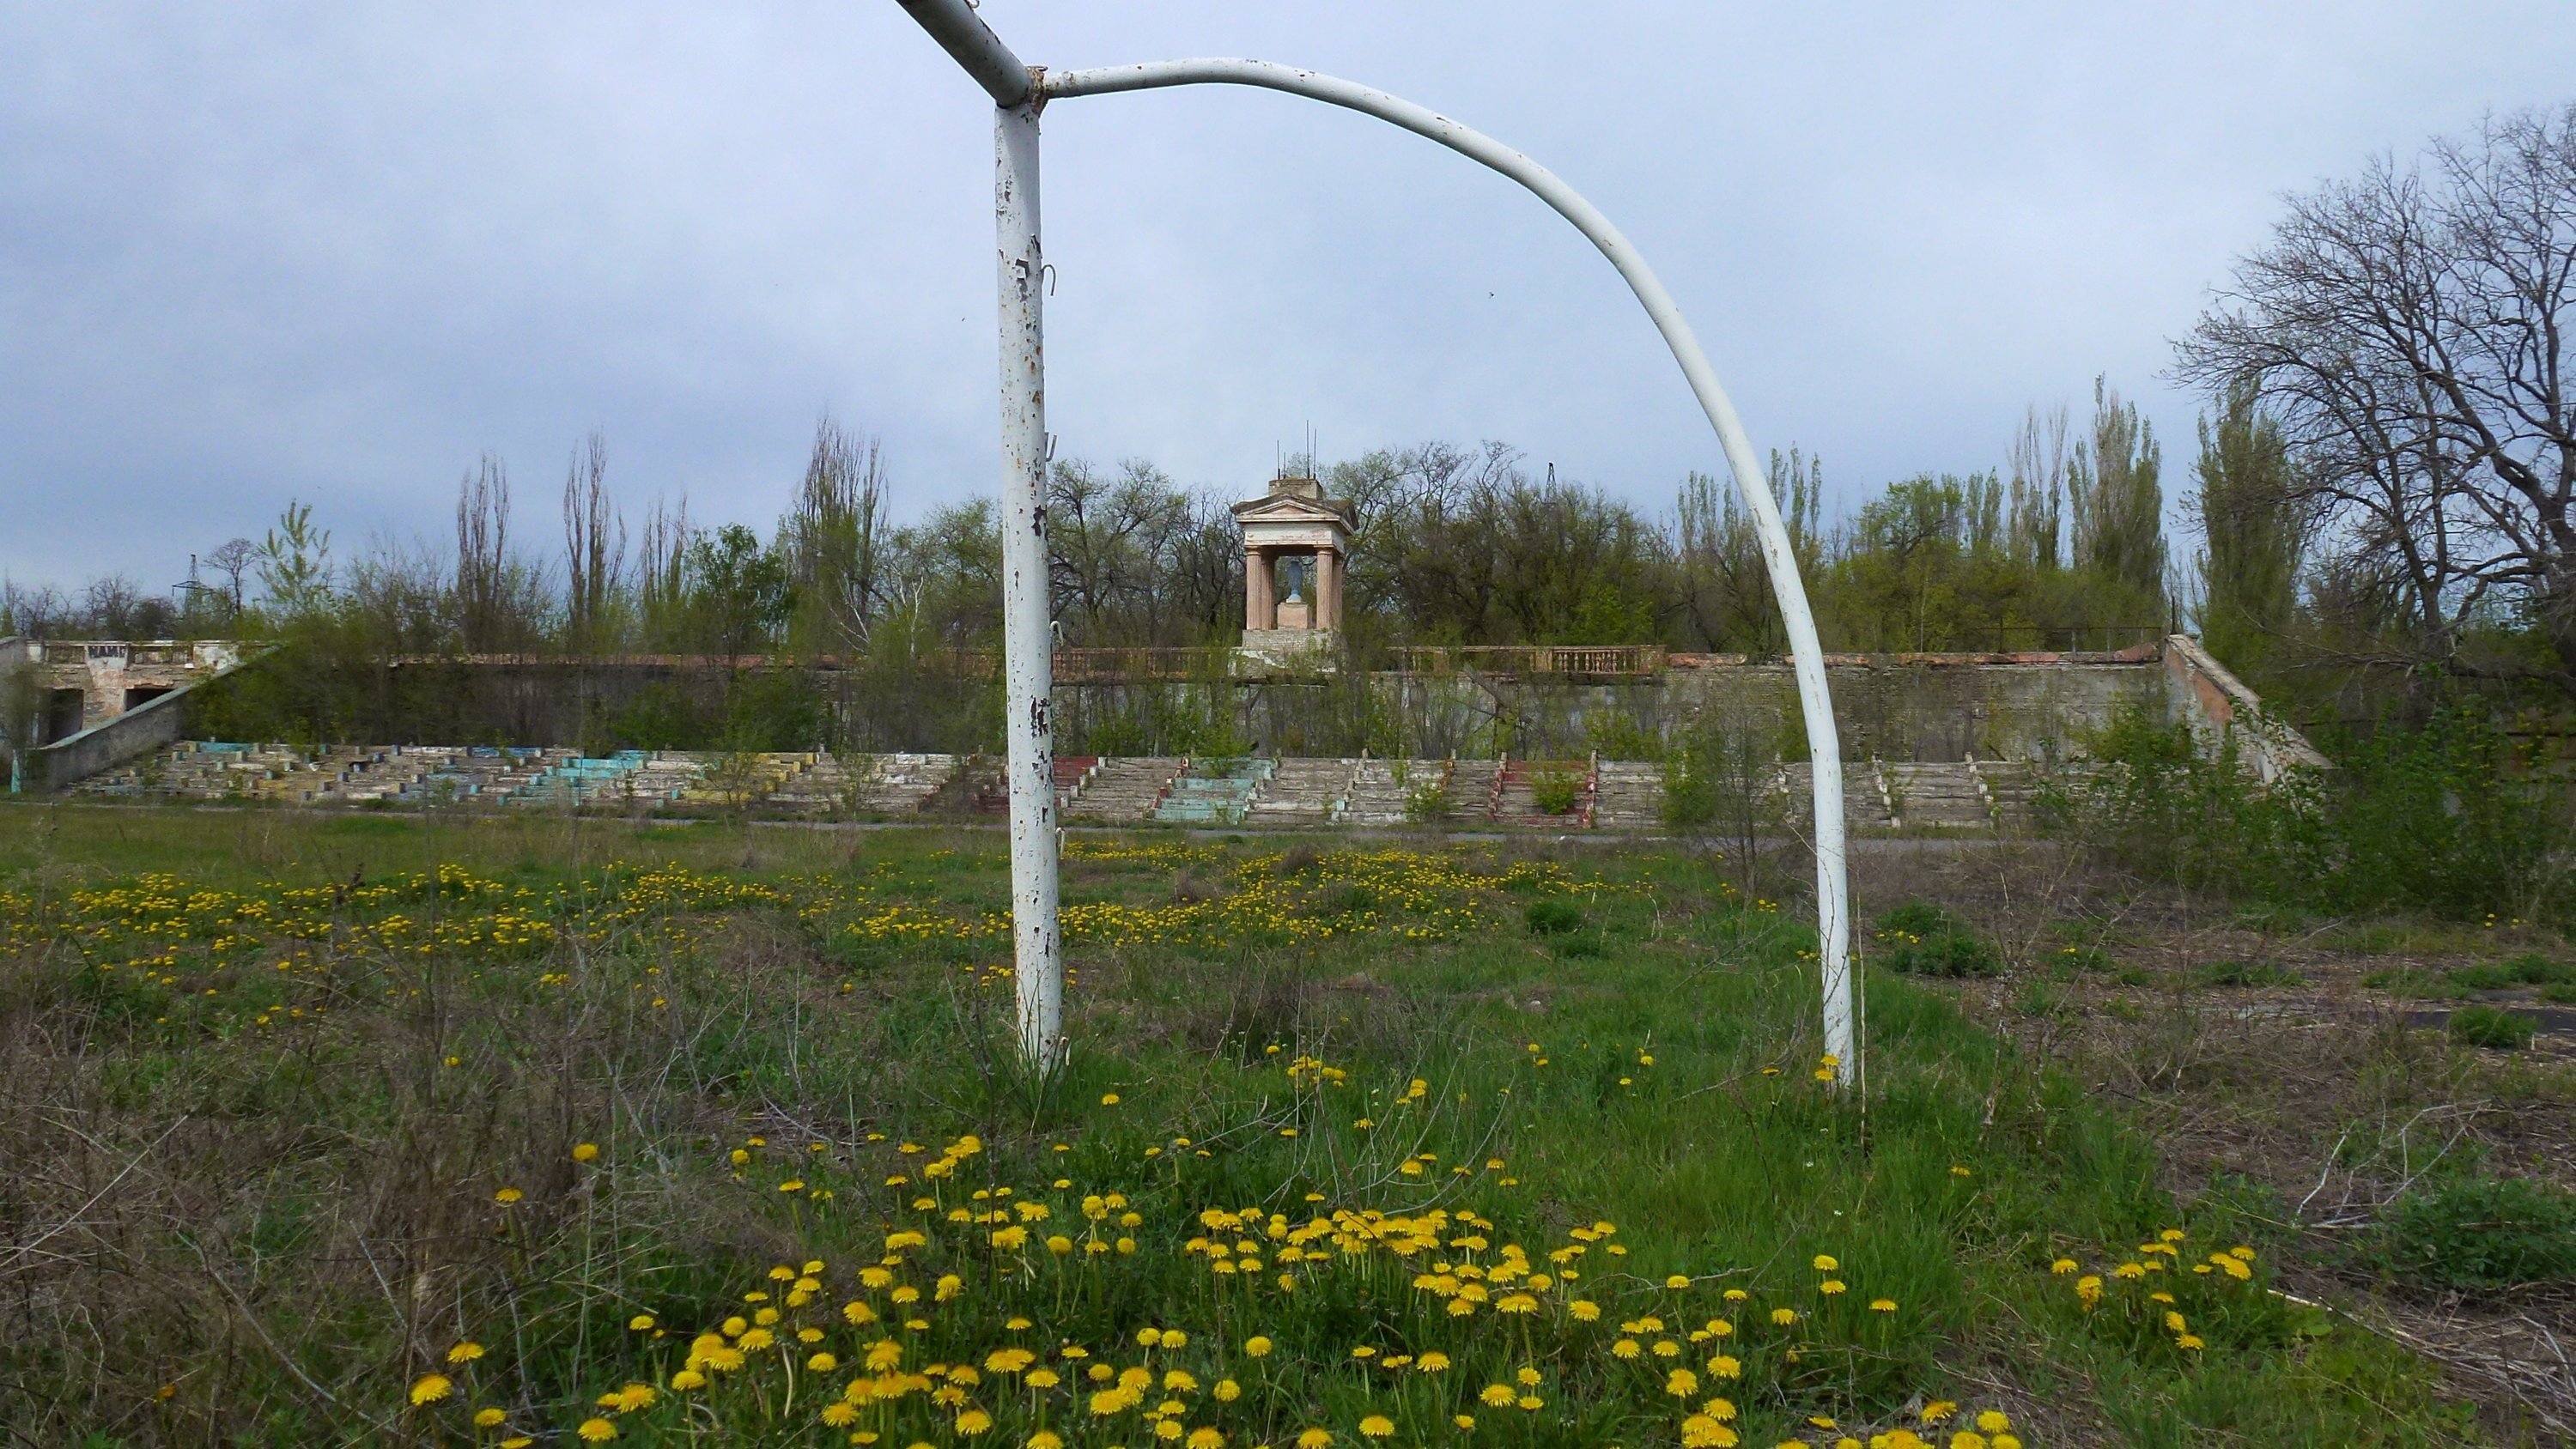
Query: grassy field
point(376, 1129)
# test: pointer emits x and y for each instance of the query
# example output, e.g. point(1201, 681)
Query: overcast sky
point(336, 250)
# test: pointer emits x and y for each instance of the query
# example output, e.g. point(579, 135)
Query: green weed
point(2481, 1232)
point(2492, 1026)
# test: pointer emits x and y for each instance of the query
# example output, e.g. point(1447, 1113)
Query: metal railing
point(1622, 660)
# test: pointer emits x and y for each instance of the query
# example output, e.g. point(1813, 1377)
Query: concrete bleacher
point(1214, 791)
point(1935, 796)
point(1627, 795)
point(1472, 787)
point(1123, 788)
point(1381, 792)
point(1302, 792)
point(1516, 792)
point(1611, 796)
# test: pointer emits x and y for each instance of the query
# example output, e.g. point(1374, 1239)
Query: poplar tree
point(2253, 527)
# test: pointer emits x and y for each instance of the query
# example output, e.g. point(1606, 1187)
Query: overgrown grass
point(299, 1105)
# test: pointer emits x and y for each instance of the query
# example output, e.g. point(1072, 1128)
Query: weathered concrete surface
point(130, 735)
point(1924, 708)
point(112, 676)
point(2217, 705)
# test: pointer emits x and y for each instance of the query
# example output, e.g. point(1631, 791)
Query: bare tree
point(2038, 488)
point(233, 559)
point(594, 546)
point(661, 575)
point(2410, 330)
point(482, 553)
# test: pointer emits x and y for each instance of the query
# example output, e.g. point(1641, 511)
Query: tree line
point(2381, 493)
point(1453, 545)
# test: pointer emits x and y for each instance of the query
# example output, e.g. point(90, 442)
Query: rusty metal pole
point(1028, 635)
point(1028, 632)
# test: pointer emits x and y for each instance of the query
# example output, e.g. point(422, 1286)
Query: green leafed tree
point(2253, 528)
point(2115, 496)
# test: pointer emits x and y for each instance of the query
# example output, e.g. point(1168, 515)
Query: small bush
point(2492, 1026)
point(2415, 983)
point(2248, 973)
point(1552, 917)
point(1921, 939)
point(1557, 791)
point(2439, 818)
point(2527, 970)
point(2484, 1232)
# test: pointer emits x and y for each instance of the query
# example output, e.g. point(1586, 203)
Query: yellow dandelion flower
point(585, 1152)
point(596, 1431)
point(465, 1352)
point(430, 1388)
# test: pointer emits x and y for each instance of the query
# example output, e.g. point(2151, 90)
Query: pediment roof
point(1289, 508)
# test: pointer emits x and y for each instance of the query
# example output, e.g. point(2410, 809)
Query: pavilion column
point(1260, 590)
point(1328, 589)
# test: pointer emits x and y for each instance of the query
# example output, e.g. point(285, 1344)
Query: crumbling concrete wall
point(1933, 708)
point(114, 675)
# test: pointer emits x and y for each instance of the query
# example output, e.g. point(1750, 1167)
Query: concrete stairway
point(1123, 788)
